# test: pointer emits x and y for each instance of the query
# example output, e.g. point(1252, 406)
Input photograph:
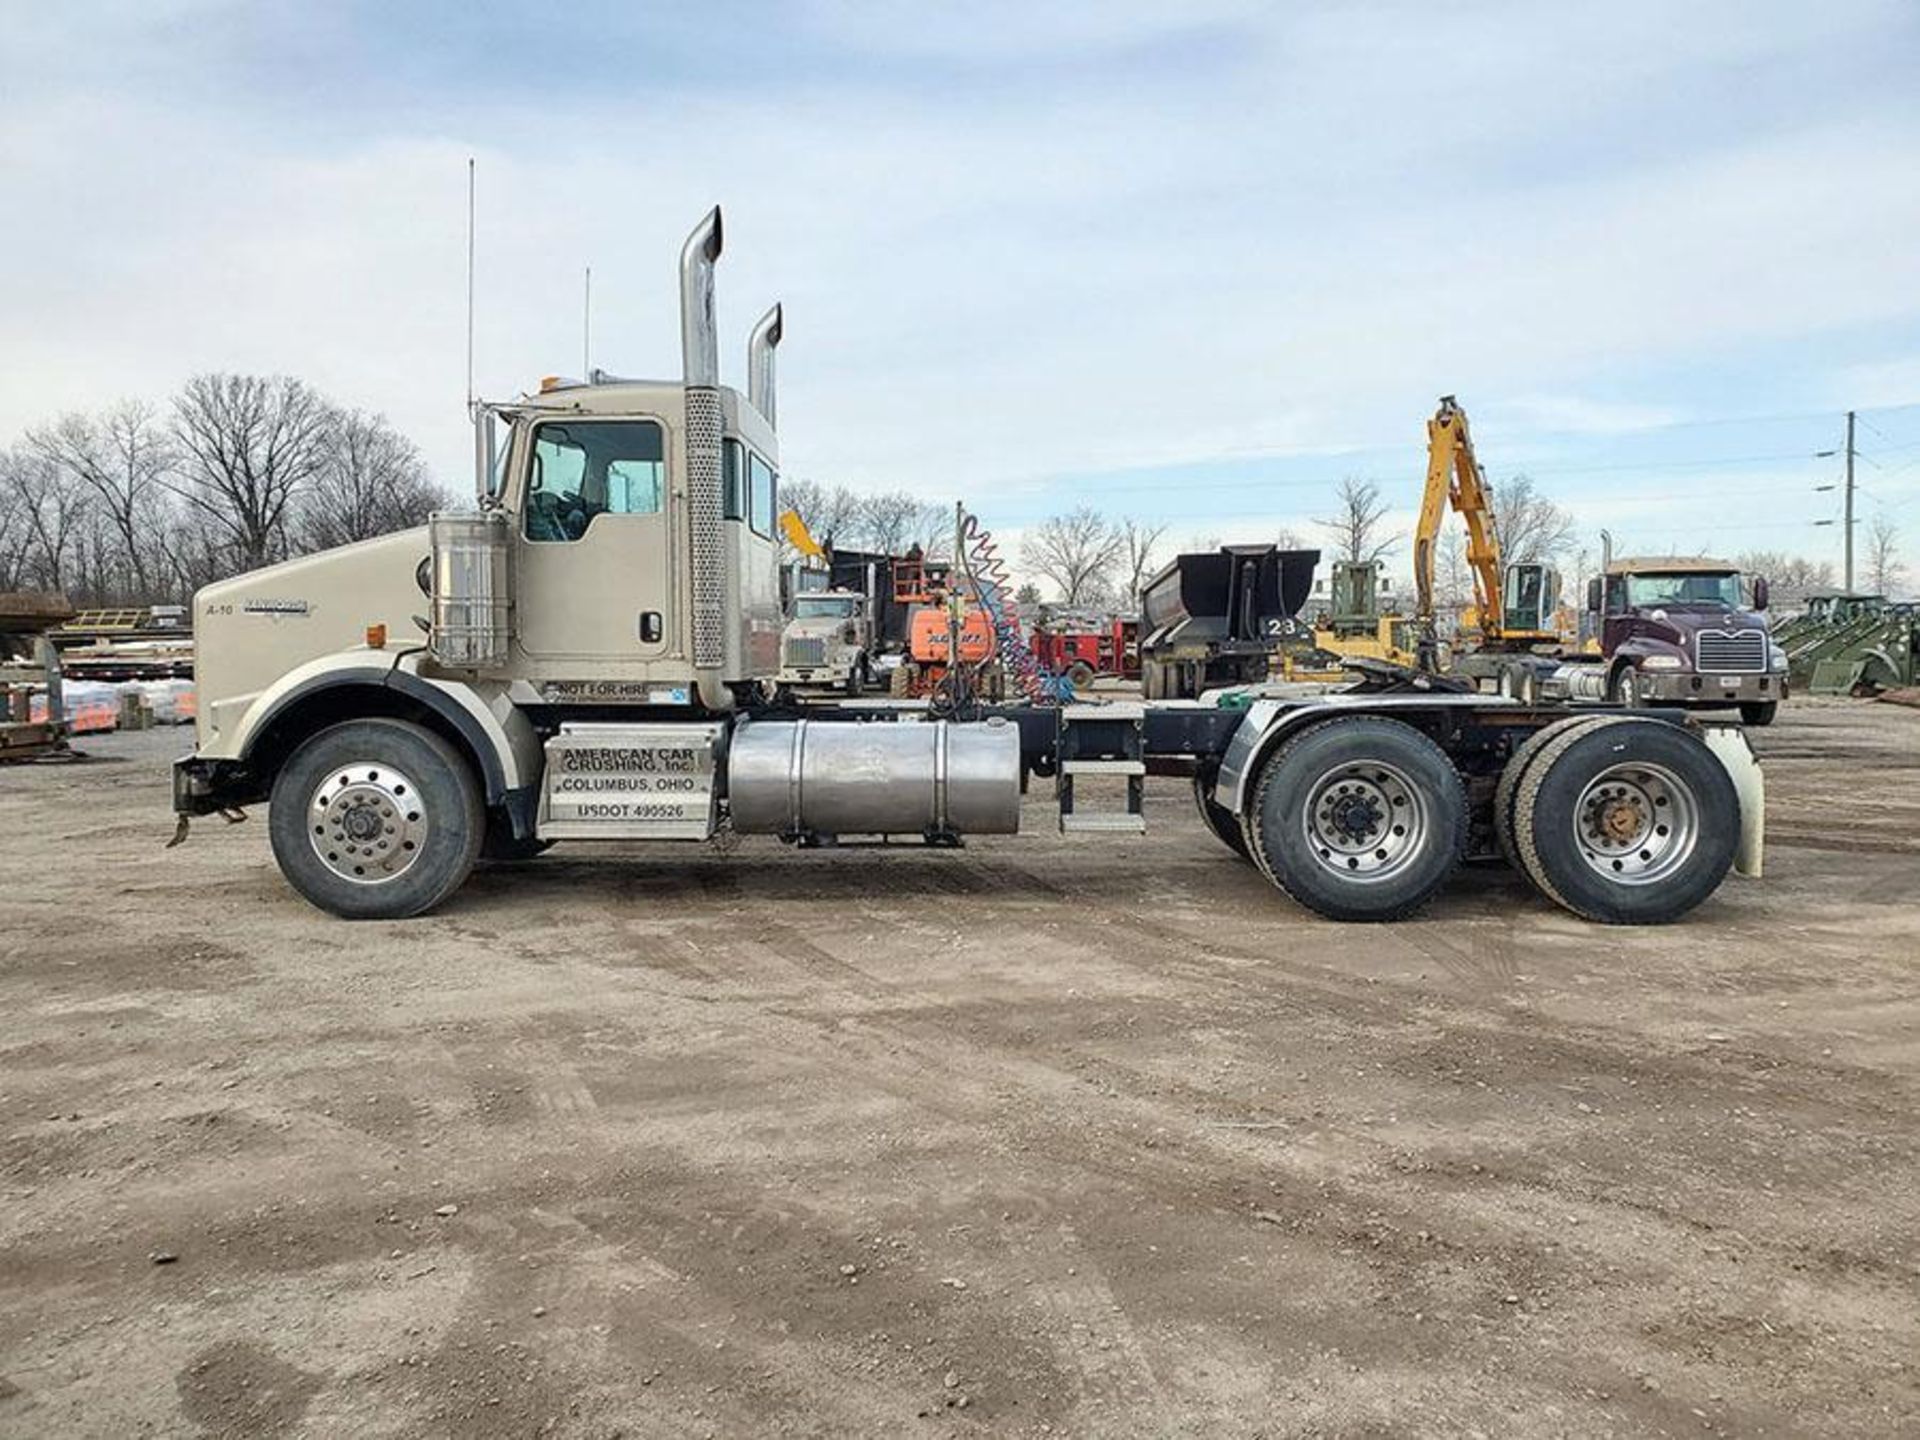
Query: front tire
point(1625, 689)
point(376, 819)
point(1359, 818)
point(1759, 713)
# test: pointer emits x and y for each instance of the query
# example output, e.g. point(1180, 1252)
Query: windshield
point(823, 607)
point(1646, 591)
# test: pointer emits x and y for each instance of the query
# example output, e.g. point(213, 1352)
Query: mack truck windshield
point(593, 652)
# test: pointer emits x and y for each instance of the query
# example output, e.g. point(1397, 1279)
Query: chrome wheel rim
point(367, 822)
point(1365, 822)
point(1636, 824)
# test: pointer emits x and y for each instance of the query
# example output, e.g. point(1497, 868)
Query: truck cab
point(828, 641)
point(621, 562)
point(1677, 630)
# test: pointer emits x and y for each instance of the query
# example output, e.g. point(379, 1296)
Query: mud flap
point(1730, 747)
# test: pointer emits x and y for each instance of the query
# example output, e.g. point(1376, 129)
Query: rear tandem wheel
point(1358, 818)
point(1631, 822)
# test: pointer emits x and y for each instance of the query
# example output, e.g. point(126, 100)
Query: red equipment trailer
point(1083, 650)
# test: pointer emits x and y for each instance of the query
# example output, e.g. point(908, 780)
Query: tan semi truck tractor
point(593, 653)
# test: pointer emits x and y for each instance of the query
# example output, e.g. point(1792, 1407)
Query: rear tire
point(1634, 822)
point(1080, 675)
point(1360, 818)
point(376, 819)
point(1759, 713)
point(1221, 822)
point(1511, 778)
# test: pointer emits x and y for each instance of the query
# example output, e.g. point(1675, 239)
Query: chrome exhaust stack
point(699, 340)
point(760, 347)
point(700, 367)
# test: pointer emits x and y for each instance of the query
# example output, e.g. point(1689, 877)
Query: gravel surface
point(1043, 1137)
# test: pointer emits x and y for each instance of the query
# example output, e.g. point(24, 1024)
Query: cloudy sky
point(1193, 262)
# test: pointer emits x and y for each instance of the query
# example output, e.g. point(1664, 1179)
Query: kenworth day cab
point(592, 654)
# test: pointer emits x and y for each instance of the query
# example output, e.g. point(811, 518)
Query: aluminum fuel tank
point(827, 777)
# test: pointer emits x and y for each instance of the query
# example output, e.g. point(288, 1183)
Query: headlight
point(1662, 662)
point(1776, 657)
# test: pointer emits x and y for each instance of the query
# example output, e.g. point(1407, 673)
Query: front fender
point(500, 737)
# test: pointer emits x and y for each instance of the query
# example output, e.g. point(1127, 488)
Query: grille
point(1736, 652)
point(804, 652)
point(709, 561)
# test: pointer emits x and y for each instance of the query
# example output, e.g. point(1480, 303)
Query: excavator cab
point(1530, 601)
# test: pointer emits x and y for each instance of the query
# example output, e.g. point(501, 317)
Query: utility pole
point(1847, 510)
point(586, 330)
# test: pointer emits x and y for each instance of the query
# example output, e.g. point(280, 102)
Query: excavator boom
point(1454, 477)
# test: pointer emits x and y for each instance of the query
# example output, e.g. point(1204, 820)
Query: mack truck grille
point(804, 652)
point(1733, 652)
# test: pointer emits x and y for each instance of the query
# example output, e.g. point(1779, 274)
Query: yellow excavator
point(801, 538)
point(1511, 612)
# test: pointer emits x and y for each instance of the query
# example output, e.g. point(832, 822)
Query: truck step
point(1112, 710)
point(1107, 821)
point(1104, 767)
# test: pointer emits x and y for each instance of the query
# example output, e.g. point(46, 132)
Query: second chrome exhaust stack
point(760, 369)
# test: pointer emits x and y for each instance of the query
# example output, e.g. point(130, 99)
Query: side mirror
point(1760, 592)
point(484, 460)
point(1594, 590)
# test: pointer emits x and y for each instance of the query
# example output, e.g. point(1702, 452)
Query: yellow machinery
point(801, 538)
point(1512, 613)
point(1352, 627)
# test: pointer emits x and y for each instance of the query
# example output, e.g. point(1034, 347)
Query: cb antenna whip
point(470, 185)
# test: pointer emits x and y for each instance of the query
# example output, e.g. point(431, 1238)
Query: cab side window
point(763, 485)
point(582, 469)
point(734, 479)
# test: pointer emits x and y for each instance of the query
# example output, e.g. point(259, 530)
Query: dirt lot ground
point(1086, 1137)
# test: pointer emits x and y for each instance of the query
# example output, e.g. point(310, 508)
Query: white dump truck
point(593, 653)
point(828, 642)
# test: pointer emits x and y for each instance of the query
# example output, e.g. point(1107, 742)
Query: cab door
point(594, 548)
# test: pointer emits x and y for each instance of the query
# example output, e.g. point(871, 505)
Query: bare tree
point(1138, 540)
point(370, 481)
point(1291, 539)
point(16, 535)
point(888, 520)
point(1453, 582)
point(1355, 528)
point(1884, 567)
point(120, 456)
point(1076, 551)
point(1530, 526)
point(831, 513)
point(53, 504)
point(1792, 578)
point(248, 447)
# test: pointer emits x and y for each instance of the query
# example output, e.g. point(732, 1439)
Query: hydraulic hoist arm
point(1454, 476)
point(799, 536)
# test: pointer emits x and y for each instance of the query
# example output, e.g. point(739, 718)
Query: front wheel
point(376, 819)
point(1359, 818)
point(1759, 712)
point(1626, 688)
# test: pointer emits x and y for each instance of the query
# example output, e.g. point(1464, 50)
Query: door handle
point(650, 627)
